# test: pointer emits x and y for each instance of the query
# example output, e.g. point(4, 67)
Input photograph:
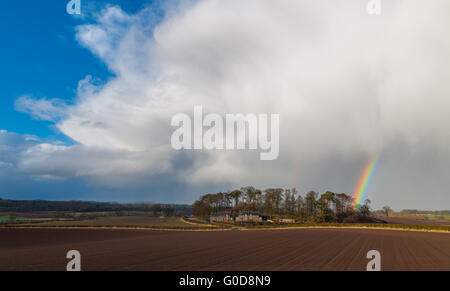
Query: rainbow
point(365, 179)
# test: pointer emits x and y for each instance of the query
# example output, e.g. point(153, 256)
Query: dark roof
point(222, 213)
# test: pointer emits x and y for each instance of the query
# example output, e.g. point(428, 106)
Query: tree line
point(24, 206)
point(286, 203)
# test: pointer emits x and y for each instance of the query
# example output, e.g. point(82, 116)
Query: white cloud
point(82, 161)
point(42, 109)
point(345, 84)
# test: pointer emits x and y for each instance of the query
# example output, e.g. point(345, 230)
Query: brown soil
point(295, 249)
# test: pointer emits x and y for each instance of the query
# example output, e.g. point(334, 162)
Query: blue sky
point(40, 56)
point(343, 82)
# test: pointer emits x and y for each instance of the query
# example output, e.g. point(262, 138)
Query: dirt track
point(296, 249)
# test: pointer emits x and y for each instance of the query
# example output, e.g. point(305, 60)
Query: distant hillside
point(87, 206)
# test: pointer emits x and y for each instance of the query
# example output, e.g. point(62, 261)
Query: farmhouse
point(249, 217)
point(224, 216)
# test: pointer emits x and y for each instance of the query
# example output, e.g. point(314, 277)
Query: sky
point(86, 100)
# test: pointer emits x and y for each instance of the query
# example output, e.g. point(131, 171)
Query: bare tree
point(387, 210)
